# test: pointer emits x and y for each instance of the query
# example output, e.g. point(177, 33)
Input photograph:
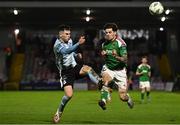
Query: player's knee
point(148, 89)
point(142, 90)
point(69, 95)
point(86, 68)
point(124, 97)
point(107, 78)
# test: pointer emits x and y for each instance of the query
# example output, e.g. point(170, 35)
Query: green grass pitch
point(38, 107)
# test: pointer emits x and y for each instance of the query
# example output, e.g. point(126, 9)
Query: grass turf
point(38, 107)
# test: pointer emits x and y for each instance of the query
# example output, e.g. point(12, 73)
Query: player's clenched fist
point(103, 53)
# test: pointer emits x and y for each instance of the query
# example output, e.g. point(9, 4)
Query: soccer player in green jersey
point(115, 55)
point(144, 73)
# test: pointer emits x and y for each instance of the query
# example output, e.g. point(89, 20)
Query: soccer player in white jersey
point(69, 70)
point(144, 73)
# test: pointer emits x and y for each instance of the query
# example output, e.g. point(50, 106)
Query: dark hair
point(144, 56)
point(63, 27)
point(111, 25)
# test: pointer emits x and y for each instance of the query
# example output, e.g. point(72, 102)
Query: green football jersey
point(120, 47)
point(146, 69)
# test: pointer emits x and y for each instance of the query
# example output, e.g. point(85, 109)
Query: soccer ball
point(156, 8)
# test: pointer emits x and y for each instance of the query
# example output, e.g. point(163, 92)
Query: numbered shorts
point(119, 76)
point(67, 77)
point(145, 84)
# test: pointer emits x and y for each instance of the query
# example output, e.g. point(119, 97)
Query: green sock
point(147, 94)
point(142, 96)
point(104, 93)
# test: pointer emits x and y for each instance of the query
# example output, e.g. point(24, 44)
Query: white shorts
point(145, 84)
point(119, 76)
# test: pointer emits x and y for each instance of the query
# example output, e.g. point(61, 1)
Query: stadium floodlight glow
point(87, 19)
point(163, 18)
point(16, 31)
point(161, 29)
point(167, 11)
point(88, 12)
point(15, 12)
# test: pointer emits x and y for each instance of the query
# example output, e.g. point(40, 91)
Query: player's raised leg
point(94, 77)
point(123, 94)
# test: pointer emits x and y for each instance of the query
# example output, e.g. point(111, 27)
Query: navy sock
point(63, 103)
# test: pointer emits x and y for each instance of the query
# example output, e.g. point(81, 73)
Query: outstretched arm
point(71, 49)
point(64, 50)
